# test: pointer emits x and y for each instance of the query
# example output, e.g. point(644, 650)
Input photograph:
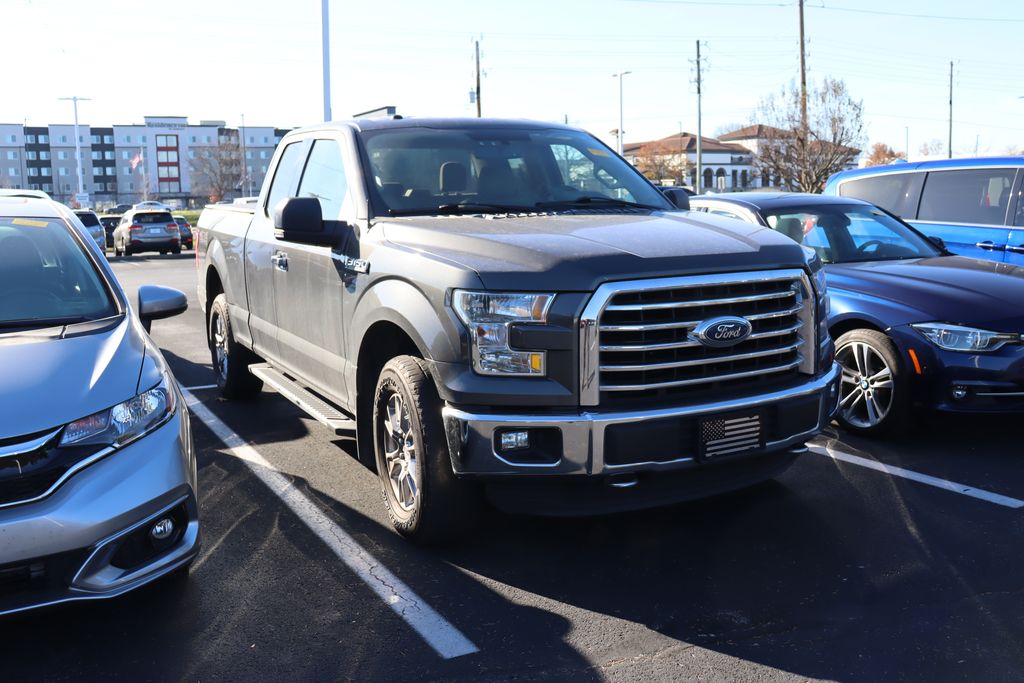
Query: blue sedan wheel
point(873, 390)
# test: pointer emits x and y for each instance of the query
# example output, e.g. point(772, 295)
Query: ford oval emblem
point(719, 333)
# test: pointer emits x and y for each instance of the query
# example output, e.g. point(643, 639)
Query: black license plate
point(726, 435)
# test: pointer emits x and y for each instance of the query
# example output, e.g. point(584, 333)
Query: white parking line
point(441, 635)
point(980, 494)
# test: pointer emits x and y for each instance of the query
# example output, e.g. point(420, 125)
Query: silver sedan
point(97, 467)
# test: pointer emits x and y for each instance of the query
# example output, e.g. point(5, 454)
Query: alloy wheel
point(400, 455)
point(867, 386)
point(220, 346)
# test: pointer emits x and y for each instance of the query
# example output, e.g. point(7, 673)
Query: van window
point(894, 192)
point(975, 196)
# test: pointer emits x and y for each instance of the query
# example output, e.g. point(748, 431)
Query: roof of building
point(687, 142)
point(754, 132)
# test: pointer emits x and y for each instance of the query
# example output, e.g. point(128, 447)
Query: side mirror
point(300, 219)
point(937, 241)
point(678, 197)
point(160, 302)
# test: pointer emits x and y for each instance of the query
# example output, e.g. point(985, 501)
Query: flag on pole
point(136, 160)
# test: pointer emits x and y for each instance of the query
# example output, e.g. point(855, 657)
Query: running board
point(305, 399)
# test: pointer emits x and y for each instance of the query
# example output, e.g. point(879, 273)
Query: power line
point(911, 15)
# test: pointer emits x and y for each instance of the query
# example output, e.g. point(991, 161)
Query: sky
point(541, 59)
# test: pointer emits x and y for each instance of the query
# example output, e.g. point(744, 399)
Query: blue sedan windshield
point(847, 234)
point(46, 277)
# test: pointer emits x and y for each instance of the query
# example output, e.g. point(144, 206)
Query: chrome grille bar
point(778, 351)
point(690, 343)
point(700, 380)
point(653, 327)
point(700, 302)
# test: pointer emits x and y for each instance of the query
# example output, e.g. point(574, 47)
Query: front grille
point(638, 346)
point(31, 466)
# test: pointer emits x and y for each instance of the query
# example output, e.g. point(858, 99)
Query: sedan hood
point(55, 376)
point(577, 252)
point(953, 289)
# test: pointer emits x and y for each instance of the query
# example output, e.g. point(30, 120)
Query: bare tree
point(216, 171)
point(882, 154)
point(662, 159)
point(804, 159)
point(933, 148)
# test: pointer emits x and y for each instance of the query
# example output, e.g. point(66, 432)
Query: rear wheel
point(426, 502)
point(230, 359)
point(874, 391)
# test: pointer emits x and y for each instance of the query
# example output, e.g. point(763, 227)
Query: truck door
point(967, 208)
point(261, 249)
point(310, 293)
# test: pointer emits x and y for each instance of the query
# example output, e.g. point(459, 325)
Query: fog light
point(162, 530)
point(960, 392)
point(513, 441)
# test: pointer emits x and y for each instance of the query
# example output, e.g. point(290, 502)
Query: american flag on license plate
point(730, 435)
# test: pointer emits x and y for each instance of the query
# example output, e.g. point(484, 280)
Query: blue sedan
point(914, 324)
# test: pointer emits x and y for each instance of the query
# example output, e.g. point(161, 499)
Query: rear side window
point(285, 174)
point(324, 178)
point(976, 196)
point(895, 192)
point(88, 219)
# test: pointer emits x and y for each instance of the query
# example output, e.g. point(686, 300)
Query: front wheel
point(425, 500)
point(230, 359)
point(874, 391)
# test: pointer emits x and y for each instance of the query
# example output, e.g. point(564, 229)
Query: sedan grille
point(638, 341)
point(31, 467)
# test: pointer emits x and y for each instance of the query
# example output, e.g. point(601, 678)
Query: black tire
point(176, 251)
point(875, 388)
point(117, 252)
point(230, 359)
point(442, 506)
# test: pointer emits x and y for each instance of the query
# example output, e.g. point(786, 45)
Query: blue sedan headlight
point(960, 338)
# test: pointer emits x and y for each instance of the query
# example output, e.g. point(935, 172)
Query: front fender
point(882, 313)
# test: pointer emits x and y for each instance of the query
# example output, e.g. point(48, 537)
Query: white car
point(151, 205)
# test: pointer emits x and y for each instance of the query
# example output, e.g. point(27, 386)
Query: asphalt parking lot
point(866, 561)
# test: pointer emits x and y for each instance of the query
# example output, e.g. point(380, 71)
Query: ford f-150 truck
point(509, 310)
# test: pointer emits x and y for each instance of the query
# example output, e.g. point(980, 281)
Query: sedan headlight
point(959, 338)
point(488, 317)
point(124, 422)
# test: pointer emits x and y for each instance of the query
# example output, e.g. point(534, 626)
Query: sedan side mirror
point(157, 302)
point(300, 219)
point(678, 197)
point(937, 241)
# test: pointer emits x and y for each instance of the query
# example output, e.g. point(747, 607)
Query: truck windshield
point(430, 171)
point(46, 277)
point(846, 234)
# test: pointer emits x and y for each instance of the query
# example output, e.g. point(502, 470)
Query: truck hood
point(577, 252)
point(953, 289)
point(55, 376)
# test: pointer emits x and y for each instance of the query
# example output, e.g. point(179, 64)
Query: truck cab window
point(324, 178)
point(284, 177)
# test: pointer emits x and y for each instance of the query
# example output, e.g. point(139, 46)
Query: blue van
point(974, 205)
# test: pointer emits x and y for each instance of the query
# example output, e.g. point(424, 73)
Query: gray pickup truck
point(508, 310)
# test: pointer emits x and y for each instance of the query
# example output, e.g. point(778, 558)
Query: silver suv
point(147, 230)
point(97, 467)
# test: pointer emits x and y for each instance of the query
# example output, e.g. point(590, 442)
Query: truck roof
point(454, 123)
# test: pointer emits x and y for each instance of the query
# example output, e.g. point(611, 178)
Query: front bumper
point(73, 544)
point(954, 381)
point(584, 443)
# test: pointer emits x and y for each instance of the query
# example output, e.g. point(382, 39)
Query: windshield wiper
point(460, 209)
point(40, 323)
point(588, 200)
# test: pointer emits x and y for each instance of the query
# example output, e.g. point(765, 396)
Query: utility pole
point(621, 75)
point(479, 110)
point(245, 162)
point(949, 148)
point(326, 40)
point(700, 158)
point(803, 77)
point(78, 144)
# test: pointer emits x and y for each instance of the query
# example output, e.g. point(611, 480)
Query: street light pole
point(326, 40)
point(78, 144)
point(245, 162)
point(620, 76)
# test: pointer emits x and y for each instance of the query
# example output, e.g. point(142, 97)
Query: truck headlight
point(488, 317)
point(124, 422)
point(959, 338)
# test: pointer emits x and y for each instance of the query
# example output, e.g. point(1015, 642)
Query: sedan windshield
point(46, 277)
point(847, 234)
point(431, 171)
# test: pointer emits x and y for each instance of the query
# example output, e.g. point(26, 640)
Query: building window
point(127, 170)
point(47, 172)
point(131, 186)
point(207, 139)
point(47, 187)
point(14, 138)
point(97, 154)
point(266, 140)
point(95, 139)
point(63, 138)
point(248, 155)
point(31, 156)
point(252, 139)
point(108, 139)
point(62, 155)
point(126, 155)
point(128, 138)
point(33, 171)
point(110, 170)
point(67, 187)
point(44, 156)
point(109, 155)
point(44, 139)
point(12, 156)
point(263, 154)
point(143, 138)
point(96, 170)
point(192, 139)
point(263, 170)
point(13, 172)
point(62, 171)
point(30, 139)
